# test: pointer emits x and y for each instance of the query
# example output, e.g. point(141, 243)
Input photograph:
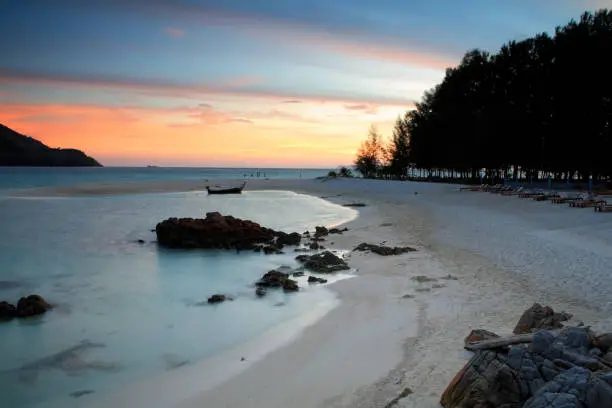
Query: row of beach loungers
point(577, 200)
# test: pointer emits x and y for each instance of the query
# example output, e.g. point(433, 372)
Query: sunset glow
point(190, 84)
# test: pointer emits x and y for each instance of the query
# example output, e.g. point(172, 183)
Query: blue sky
point(168, 54)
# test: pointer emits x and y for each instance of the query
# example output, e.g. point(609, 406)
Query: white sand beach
point(487, 257)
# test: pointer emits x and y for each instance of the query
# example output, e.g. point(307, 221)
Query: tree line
point(540, 107)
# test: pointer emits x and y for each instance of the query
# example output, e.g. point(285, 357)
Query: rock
point(141, 241)
point(298, 274)
point(78, 394)
point(260, 291)
point(325, 262)
point(271, 249)
point(32, 305)
point(321, 232)
point(383, 250)
point(479, 335)
point(215, 231)
point(603, 341)
point(354, 205)
point(449, 277)
point(438, 286)
point(314, 246)
point(539, 317)
point(7, 311)
point(217, 298)
point(423, 279)
point(292, 239)
point(408, 296)
point(314, 279)
point(337, 230)
point(277, 279)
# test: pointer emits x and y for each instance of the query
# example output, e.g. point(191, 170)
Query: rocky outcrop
point(223, 232)
point(314, 279)
point(383, 250)
point(556, 368)
point(27, 306)
point(325, 262)
point(540, 317)
point(277, 279)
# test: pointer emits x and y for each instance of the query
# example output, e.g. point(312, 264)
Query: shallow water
point(127, 310)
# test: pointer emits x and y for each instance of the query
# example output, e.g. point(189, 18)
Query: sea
point(127, 310)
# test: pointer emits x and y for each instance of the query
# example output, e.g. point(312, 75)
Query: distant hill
point(19, 150)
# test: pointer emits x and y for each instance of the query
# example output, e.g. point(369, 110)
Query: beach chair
point(603, 207)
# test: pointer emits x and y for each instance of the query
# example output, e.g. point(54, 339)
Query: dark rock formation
point(7, 311)
point(218, 298)
point(298, 274)
point(32, 305)
point(325, 262)
point(225, 232)
point(19, 150)
point(337, 231)
point(383, 250)
point(288, 239)
point(549, 369)
point(314, 245)
point(321, 232)
point(260, 291)
point(539, 317)
point(277, 279)
point(314, 279)
point(355, 205)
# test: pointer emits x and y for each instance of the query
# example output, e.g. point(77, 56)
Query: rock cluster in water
point(222, 232)
point(324, 262)
point(27, 306)
point(383, 250)
point(553, 367)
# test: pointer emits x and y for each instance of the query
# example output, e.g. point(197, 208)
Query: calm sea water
point(127, 310)
point(24, 177)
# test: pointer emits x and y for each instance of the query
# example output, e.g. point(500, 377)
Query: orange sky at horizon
point(314, 134)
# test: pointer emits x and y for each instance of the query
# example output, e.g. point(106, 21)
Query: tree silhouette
point(541, 106)
point(369, 157)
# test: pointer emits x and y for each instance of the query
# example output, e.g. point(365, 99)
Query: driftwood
point(504, 341)
point(500, 342)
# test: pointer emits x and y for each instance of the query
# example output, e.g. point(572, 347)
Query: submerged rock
point(383, 250)
point(314, 279)
point(32, 305)
point(321, 232)
point(277, 279)
point(260, 291)
point(7, 311)
point(325, 262)
point(223, 232)
point(218, 298)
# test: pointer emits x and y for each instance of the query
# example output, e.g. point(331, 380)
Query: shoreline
point(376, 343)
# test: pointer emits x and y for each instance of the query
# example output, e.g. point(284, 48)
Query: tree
point(370, 154)
point(399, 148)
point(530, 106)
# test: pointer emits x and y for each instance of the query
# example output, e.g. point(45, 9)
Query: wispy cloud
point(164, 87)
point(367, 108)
point(174, 32)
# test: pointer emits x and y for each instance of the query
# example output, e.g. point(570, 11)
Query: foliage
point(345, 172)
point(370, 154)
point(399, 148)
point(543, 104)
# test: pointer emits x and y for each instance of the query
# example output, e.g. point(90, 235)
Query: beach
point(398, 326)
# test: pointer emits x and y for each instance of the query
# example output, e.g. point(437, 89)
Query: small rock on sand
point(423, 279)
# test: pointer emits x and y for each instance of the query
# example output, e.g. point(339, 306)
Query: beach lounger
point(587, 203)
point(603, 208)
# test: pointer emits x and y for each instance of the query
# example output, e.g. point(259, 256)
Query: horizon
point(280, 85)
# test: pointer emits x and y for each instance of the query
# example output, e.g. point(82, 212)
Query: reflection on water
point(134, 303)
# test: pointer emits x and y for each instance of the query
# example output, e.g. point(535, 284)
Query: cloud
point(164, 87)
point(174, 32)
point(370, 109)
point(241, 120)
point(292, 101)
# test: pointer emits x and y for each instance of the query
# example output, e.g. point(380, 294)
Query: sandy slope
point(504, 252)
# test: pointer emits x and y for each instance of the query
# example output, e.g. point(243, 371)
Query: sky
point(243, 83)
